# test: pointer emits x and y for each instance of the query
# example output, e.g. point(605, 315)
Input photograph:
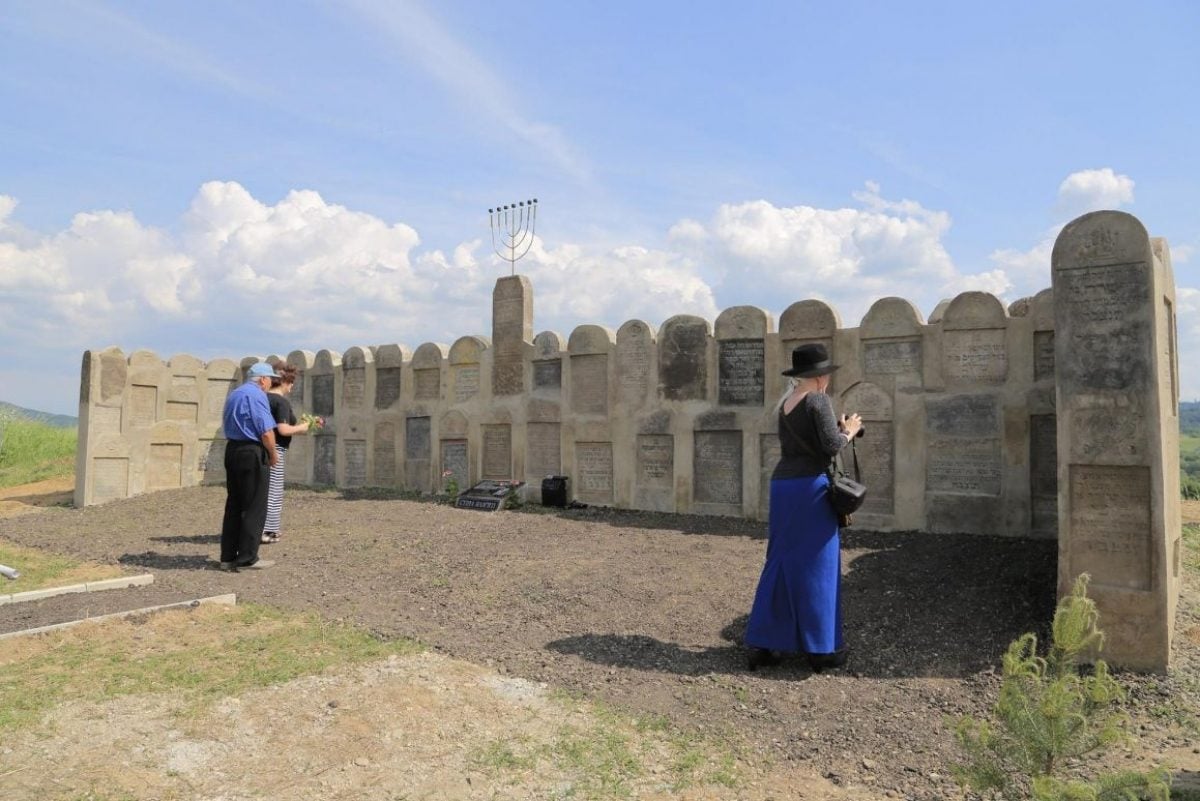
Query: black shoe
point(760, 657)
point(819, 662)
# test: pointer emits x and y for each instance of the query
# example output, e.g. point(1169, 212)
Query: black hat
point(810, 361)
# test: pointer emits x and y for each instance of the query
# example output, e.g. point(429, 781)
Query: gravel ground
point(645, 611)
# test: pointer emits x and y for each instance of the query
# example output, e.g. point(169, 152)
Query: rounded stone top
point(429, 354)
point(144, 358)
point(743, 322)
point(548, 344)
point(1101, 237)
point(301, 359)
point(222, 368)
point(468, 350)
point(357, 358)
point(392, 356)
point(684, 321)
point(186, 363)
point(809, 319)
point(326, 360)
point(591, 339)
point(1042, 308)
point(636, 328)
point(891, 317)
point(939, 311)
point(453, 424)
point(974, 310)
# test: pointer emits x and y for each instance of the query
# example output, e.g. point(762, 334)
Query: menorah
point(514, 224)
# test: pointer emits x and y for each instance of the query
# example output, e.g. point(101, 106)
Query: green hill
point(54, 420)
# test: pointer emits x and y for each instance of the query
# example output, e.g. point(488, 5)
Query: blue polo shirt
point(247, 414)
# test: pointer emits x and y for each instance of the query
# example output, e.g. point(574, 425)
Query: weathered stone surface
point(635, 354)
point(892, 358)
point(356, 463)
point(1043, 474)
point(683, 358)
point(418, 454)
point(589, 384)
point(717, 468)
point(165, 466)
point(110, 478)
point(387, 387)
point(547, 375)
point(594, 469)
point(143, 405)
point(322, 400)
point(512, 328)
point(455, 459)
point(385, 454)
point(497, 452)
point(740, 372)
point(544, 443)
point(325, 459)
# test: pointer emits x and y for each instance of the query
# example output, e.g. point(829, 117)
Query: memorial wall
point(959, 410)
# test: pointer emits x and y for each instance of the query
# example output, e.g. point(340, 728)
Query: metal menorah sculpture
point(512, 230)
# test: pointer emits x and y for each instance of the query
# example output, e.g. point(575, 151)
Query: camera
point(862, 430)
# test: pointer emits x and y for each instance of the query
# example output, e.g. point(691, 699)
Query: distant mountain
point(56, 420)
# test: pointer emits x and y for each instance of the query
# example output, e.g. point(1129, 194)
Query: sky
point(227, 179)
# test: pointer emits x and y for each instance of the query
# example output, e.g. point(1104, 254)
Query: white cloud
point(1093, 190)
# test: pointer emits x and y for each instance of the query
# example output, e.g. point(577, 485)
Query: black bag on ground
point(846, 494)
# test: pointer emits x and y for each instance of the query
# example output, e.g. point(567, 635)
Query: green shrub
point(32, 451)
point(1050, 716)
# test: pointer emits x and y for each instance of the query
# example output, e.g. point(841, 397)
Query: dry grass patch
point(42, 569)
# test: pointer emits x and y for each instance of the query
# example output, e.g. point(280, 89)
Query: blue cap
point(261, 370)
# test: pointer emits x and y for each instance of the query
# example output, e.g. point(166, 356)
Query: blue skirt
point(797, 607)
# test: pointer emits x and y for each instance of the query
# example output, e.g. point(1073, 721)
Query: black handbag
point(846, 494)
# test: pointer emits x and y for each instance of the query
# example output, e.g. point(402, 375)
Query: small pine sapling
point(1051, 714)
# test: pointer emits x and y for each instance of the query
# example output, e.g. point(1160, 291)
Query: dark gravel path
point(641, 610)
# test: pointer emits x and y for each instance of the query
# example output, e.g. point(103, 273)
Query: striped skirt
point(275, 492)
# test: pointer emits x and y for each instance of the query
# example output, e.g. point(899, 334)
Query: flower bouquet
point(312, 421)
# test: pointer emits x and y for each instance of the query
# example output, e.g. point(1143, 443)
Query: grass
point(40, 569)
point(31, 451)
point(199, 655)
point(612, 756)
point(1191, 546)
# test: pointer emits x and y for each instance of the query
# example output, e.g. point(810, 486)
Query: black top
point(281, 410)
point(808, 438)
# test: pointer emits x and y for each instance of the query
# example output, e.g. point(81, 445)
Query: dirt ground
point(643, 612)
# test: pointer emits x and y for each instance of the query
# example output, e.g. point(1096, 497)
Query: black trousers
point(247, 480)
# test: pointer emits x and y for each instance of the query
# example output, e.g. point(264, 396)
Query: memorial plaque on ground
point(487, 495)
point(740, 372)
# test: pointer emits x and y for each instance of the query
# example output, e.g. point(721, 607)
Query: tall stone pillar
point(1118, 431)
point(512, 329)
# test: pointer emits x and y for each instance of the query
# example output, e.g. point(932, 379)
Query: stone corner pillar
point(512, 330)
point(1118, 491)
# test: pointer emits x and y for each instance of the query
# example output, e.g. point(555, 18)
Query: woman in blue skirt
point(797, 607)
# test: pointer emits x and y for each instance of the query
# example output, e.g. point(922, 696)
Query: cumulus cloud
point(1093, 190)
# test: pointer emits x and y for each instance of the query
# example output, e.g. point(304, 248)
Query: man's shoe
point(260, 564)
point(760, 657)
point(228, 567)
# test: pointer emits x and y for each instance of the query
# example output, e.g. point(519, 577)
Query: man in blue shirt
point(249, 454)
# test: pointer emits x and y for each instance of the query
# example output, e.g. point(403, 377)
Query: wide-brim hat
point(810, 361)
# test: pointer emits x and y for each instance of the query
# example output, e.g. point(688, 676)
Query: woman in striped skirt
point(285, 429)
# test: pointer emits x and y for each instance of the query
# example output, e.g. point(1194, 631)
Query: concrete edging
point(119, 583)
point(229, 599)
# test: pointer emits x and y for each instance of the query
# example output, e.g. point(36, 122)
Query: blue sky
point(228, 179)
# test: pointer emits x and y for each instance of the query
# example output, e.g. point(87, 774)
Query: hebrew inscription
point(875, 456)
point(740, 372)
point(976, 356)
point(656, 461)
point(969, 466)
point(323, 395)
point(427, 383)
point(354, 387)
point(589, 383)
point(356, 462)
point(106, 420)
point(547, 374)
point(595, 467)
point(387, 387)
point(717, 467)
point(892, 358)
point(418, 453)
point(497, 452)
point(216, 390)
point(454, 459)
point(183, 411)
point(466, 382)
point(1110, 524)
point(1110, 344)
point(1043, 355)
point(545, 451)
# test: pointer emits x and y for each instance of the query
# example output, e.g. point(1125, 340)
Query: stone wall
point(959, 411)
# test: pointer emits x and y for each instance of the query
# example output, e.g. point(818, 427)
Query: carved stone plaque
point(656, 461)
point(356, 462)
point(387, 387)
point(547, 375)
point(589, 383)
point(892, 358)
point(594, 464)
point(427, 383)
point(183, 388)
point(969, 466)
point(875, 456)
point(354, 387)
point(634, 352)
point(216, 390)
point(466, 382)
point(740, 372)
point(769, 454)
point(1109, 344)
point(1110, 524)
point(325, 459)
point(512, 316)
point(164, 467)
point(296, 396)
point(1043, 472)
point(717, 467)
point(105, 420)
point(143, 405)
point(976, 356)
point(545, 451)
point(385, 454)
point(683, 365)
point(963, 416)
point(1043, 355)
point(455, 459)
point(418, 454)
point(183, 411)
point(110, 479)
point(497, 452)
point(322, 395)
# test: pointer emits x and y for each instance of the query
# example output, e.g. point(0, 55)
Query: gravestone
point(389, 368)
point(325, 459)
point(769, 454)
point(594, 472)
point(963, 466)
point(465, 355)
point(418, 453)
point(741, 355)
point(356, 463)
point(497, 452)
point(164, 468)
point(385, 454)
point(1043, 475)
point(427, 371)
point(512, 328)
point(973, 340)
point(683, 358)
point(876, 446)
point(455, 459)
point(544, 458)
point(322, 387)
point(354, 379)
point(891, 339)
point(589, 347)
point(635, 357)
point(1118, 447)
point(717, 471)
point(548, 348)
point(656, 472)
